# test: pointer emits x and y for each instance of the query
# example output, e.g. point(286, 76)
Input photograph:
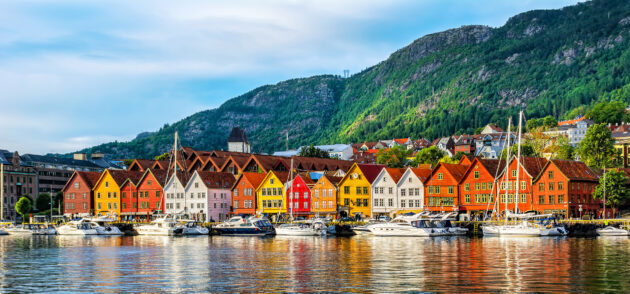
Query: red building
point(299, 195)
point(519, 190)
point(244, 193)
point(78, 193)
point(466, 144)
point(442, 187)
point(566, 187)
point(478, 187)
point(129, 194)
point(151, 192)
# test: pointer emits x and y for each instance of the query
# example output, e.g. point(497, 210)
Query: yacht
point(612, 231)
point(444, 227)
point(31, 229)
point(3, 232)
point(103, 227)
point(402, 227)
point(314, 228)
point(77, 227)
point(163, 226)
point(191, 228)
point(251, 226)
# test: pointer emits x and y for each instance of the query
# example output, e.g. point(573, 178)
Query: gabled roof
point(370, 171)
point(573, 170)
point(494, 167)
point(456, 170)
point(133, 177)
point(265, 162)
point(158, 174)
point(306, 178)
point(395, 173)
point(141, 164)
point(282, 176)
point(253, 178)
point(422, 173)
point(401, 141)
point(90, 178)
point(496, 128)
point(533, 165)
point(332, 179)
point(216, 180)
point(182, 176)
point(238, 160)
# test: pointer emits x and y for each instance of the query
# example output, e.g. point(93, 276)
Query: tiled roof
point(496, 128)
point(334, 180)
point(422, 173)
point(371, 171)
point(533, 165)
point(216, 179)
point(144, 164)
point(282, 176)
point(32, 158)
point(571, 122)
point(401, 141)
point(160, 175)
point(120, 176)
point(90, 178)
point(254, 178)
point(395, 173)
point(493, 166)
point(575, 170)
point(456, 170)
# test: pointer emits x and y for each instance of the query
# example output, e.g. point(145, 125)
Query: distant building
point(237, 142)
point(19, 179)
point(575, 131)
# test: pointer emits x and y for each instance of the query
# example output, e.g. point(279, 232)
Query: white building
point(237, 142)
point(385, 191)
point(574, 130)
point(208, 195)
point(338, 151)
point(411, 189)
point(175, 191)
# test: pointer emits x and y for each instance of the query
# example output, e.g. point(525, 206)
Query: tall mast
point(291, 190)
point(518, 161)
point(506, 178)
point(1, 191)
point(604, 190)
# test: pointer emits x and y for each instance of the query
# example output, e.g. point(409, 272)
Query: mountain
point(547, 62)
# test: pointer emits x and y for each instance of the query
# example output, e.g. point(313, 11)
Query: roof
point(328, 148)
point(237, 135)
point(143, 164)
point(334, 180)
point(575, 170)
point(370, 171)
point(253, 178)
point(533, 165)
point(571, 122)
point(216, 179)
point(395, 173)
point(90, 178)
point(422, 173)
point(306, 178)
point(238, 160)
point(493, 166)
point(282, 176)
point(496, 128)
point(159, 174)
point(456, 170)
point(121, 176)
point(401, 141)
point(32, 158)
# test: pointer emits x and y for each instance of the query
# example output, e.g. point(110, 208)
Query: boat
point(612, 231)
point(103, 226)
point(402, 226)
point(549, 227)
point(191, 228)
point(31, 229)
point(77, 227)
point(445, 222)
point(251, 226)
point(342, 230)
point(165, 225)
point(3, 232)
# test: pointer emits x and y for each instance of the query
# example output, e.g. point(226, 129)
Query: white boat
point(302, 229)
point(524, 228)
point(612, 231)
point(19, 229)
point(251, 226)
point(191, 228)
point(401, 227)
point(163, 226)
point(103, 226)
point(77, 227)
point(3, 232)
point(444, 225)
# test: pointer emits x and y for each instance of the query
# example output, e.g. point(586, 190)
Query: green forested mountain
point(547, 62)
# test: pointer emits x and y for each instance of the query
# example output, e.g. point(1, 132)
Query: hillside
point(548, 62)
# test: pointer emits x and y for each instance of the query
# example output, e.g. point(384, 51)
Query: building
point(355, 190)
point(324, 194)
point(175, 191)
point(492, 129)
point(270, 194)
point(298, 193)
point(209, 196)
point(78, 196)
point(385, 192)
point(129, 195)
point(107, 191)
point(442, 187)
point(574, 130)
point(517, 182)
point(151, 192)
point(237, 141)
point(446, 144)
point(566, 188)
point(244, 193)
point(18, 179)
point(478, 187)
point(465, 144)
point(411, 189)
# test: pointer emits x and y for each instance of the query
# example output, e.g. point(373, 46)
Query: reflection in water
point(308, 264)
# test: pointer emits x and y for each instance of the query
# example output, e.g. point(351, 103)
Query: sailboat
point(298, 229)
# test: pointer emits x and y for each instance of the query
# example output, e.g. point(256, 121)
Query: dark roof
point(90, 178)
point(533, 165)
point(237, 135)
point(370, 171)
point(217, 179)
point(422, 173)
point(32, 158)
point(334, 180)
point(120, 176)
point(494, 166)
point(575, 170)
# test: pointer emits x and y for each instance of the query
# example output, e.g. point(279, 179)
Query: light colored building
point(385, 191)
point(237, 142)
point(208, 195)
point(411, 189)
point(175, 191)
point(575, 131)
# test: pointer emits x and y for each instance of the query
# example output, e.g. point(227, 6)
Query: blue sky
point(75, 74)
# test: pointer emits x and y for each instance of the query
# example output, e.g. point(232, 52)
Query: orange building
point(324, 195)
point(442, 187)
point(244, 193)
point(151, 192)
point(519, 191)
point(478, 187)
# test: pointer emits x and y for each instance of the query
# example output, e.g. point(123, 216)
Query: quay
point(576, 228)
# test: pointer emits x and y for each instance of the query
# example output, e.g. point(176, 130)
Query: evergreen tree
point(312, 151)
point(597, 147)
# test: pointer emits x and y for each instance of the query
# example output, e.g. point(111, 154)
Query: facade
point(324, 194)
point(175, 191)
point(574, 130)
point(565, 187)
point(244, 193)
point(237, 142)
point(338, 151)
point(270, 194)
point(54, 172)
point(355, 190)
point(411, 189)
point(385, 192)
point(77, 193)
point(107, 192)
point(517, 184)
point(442, 187)
point(129, 199)
point(18, 179)
point(478, 186)
point(208, 196)
point(151, 192)
point(298, 193)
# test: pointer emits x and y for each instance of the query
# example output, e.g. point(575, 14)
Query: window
point(365, 202)
point(503, 198)
point(467, 198)
point(390, 202)
point(437, 189)
point(359, 190)
point(523, 198)
point(365, 190)
point(551, 186)
point(440, 176)
point(346, 201)
point(271, 181)
point(477, 186)
point(135, 194)
point(560, 198)
point(514, 173)
point(359, 202)
point(124, 205)
point(116, 194)
point(523, 185)
point(417, 202)
point(402, 192)
point(98, 205)
point(84, 195)
point(467, 187)
point(430, 189)
point(402, 203)
point(330, 204)
point(346, 190)
point(391, 190)
point(476, 174)
point(541, 187)
point(330, 192)
point(84, 205)
point(560, 186)
point(68, 196)
point(551, 175)
point(305, 195)
point(451, 190)
point(109, 205)
point(235, 203)
point(541, 199)
point(317, 193)
point(124, 195)
point(76, 185)
point(510, 198)
point(109, 194)
point(483, 186)
point(196, 185)
point(135, 205)
point(106, 184)
point(305, 205)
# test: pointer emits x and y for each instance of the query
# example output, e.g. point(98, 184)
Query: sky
point(74, 74)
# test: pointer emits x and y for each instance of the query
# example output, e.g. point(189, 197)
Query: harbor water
point(313, 264)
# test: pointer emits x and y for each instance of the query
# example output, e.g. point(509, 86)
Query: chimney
point(80, 156)
point(98, 155)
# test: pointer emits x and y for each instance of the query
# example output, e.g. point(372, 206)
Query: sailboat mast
point(604, 191)
point(518, 161)
point(291, 190)
point(507, 166)
point(2, 191)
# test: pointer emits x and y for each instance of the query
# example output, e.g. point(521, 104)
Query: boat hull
point(400, 231)
point(243, 232)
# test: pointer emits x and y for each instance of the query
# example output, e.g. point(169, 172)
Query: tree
point(58, 202)
point(526, 150)
point(448, 159)
point(163, 156)
point(458, 155)
point(42, 202)
point(128, 162)
point(23, 207)
point(431, 155)
point(395, 157)
point(563, 149)
point(597, 147)
point(616, 192)
point(312, 151)
point(608, 112)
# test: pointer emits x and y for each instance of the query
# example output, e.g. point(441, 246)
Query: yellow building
point(107, 192)
point(270, 193)
point(355, 190)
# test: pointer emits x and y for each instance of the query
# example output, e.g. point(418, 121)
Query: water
point(308, 264)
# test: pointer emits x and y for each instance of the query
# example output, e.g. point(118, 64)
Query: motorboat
point(77, 227)
point(443, 225)
point(524, 228)
point(19, 229)
point(240, 226)
point(301, 229)
point(612, 231)
point(3, 232)
point(162, 226)
point(342, 230)
point(31, 229)
point(191, 228)
point(103, 226)
point(549, 227)
point(400, 227)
